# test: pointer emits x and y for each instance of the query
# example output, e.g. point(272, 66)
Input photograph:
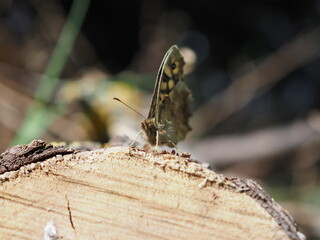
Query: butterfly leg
point(157, 140)
point(176, 147)
point(135, 139)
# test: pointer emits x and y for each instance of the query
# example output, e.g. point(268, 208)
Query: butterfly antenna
point(117, 99)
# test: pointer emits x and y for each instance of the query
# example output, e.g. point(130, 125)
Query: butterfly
point(168, 119)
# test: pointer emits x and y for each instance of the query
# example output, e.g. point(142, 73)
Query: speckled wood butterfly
point(170, 110)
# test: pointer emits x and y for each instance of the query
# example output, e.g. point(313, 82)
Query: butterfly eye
point(173, 66)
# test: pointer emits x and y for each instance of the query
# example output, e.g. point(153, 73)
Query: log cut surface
point(125, 193)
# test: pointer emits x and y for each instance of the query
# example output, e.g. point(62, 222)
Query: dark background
point(255, 82)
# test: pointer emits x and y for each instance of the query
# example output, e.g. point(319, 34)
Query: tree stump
point(126, 193)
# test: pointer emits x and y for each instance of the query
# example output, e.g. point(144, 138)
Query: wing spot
point(167, 71)
point(164, 86)
point(173, 66)
point(171, 84)
point(176, 69)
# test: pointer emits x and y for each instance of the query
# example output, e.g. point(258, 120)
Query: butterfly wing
point(170, 108)
point(160, 78)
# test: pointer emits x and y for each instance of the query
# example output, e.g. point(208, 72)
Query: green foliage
point(39, 116)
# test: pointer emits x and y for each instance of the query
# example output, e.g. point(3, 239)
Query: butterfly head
point(149, 127)
point(155, 130)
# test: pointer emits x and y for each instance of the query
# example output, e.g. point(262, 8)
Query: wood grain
point(118, 193)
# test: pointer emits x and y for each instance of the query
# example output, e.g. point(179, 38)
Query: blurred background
point(253, 68)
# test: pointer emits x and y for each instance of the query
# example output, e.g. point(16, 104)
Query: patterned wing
point(160, 78)
point(171, 103)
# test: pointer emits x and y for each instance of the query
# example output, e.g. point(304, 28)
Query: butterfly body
point(170, 110)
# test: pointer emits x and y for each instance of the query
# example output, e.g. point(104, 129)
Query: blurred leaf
point(38, 116)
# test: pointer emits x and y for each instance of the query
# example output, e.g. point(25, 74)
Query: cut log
point(125, 193)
